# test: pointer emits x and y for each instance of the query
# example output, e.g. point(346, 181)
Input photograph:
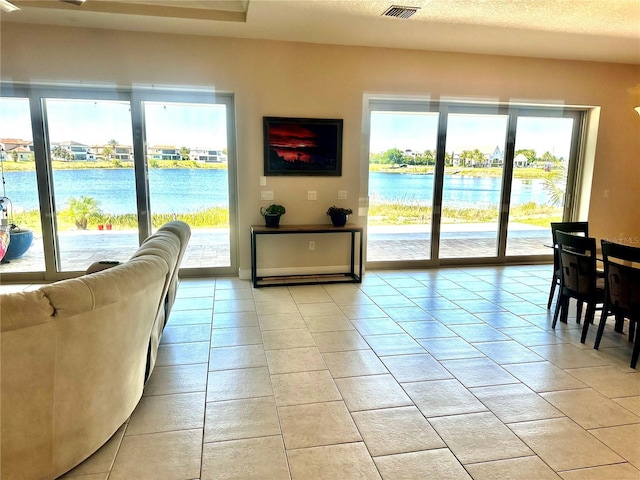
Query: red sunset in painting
point(302, 146)
point(292, 142)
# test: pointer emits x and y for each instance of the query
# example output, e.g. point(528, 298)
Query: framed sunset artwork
point(302, 146)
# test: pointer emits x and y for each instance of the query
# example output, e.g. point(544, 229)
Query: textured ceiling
point(598, 30)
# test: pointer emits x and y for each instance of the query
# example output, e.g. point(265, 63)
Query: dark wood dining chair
point(579, 278)
point(622, 291)
point(568, 227)
point(581, 228)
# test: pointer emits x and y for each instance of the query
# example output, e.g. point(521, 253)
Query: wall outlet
point(312, 245)
point(342, 194)
point(606, 193)
point(312, 195)
point(266, 195)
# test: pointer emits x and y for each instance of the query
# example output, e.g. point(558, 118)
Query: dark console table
point(349, 277)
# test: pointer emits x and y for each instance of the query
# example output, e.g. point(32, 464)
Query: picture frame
point(302, 146)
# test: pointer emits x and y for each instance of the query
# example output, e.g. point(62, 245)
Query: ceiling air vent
point(398, 11)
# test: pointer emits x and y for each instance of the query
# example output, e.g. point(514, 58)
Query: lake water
point(172, 190)
point(190, 190)
point(459, 191)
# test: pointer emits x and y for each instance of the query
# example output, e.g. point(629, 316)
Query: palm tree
point(555, 185)
point(81, 209)
point(112, 144)
point(107, 152)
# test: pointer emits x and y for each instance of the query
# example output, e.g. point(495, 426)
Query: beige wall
point(306, 80)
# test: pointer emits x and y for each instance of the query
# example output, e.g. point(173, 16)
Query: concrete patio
point(210, 247)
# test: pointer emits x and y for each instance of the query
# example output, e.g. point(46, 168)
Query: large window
point(19, 185)
point(467, 183)
point(108, 167)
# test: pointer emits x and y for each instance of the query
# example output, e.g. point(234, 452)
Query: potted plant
point(14, 241)
point(272, 214)
point(339, 215)
point(81, 209)
point(21, 240)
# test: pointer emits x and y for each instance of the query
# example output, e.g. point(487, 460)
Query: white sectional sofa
point(75, 355)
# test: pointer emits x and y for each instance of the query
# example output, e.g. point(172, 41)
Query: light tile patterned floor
point(448, 373)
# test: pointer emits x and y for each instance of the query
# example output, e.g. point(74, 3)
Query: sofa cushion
point(24, 309)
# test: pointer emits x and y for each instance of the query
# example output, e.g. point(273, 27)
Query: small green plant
point(339, 211)
point(81, 209)
point(273, 209)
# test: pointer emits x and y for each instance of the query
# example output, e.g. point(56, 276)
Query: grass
point(399, 213)
point(214, 217)
point(417, 214)
point(524, 173)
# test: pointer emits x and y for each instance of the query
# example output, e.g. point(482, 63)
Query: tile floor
point(443, 374)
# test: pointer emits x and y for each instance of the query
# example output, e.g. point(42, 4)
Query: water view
point(190, 190)
point(172, 190)
point(460, 191)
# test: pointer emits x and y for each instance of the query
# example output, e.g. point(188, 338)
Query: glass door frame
point(37, 94)
point(513, 111)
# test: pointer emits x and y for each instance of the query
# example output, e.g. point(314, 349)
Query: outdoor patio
point(210, 247)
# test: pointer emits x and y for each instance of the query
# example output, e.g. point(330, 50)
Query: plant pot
point(272, 220)
point(109, 226)
point(19, 244)
point(339, 219)
point(100, 227)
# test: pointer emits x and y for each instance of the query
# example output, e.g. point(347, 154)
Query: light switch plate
point(312, 195)
point(263, 181)
point(342, 194)
point(266, 195)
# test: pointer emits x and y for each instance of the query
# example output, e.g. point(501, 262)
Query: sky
point(418, 132)
point(97, 122)
point(198, 125)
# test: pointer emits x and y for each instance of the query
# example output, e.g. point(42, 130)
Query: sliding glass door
point(105, 168)
point(187, 159)
point(19, 192)
point(543, 149)
point(94, 193)
point(489, 180)
point(474, 162)
point(401, 180)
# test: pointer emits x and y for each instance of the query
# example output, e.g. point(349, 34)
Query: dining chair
point(579, 278)
point(622, 291)
point(568, 227)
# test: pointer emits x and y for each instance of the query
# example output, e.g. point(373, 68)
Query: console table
point(350, 277)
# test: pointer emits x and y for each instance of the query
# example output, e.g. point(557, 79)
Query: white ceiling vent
point(398, 11)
